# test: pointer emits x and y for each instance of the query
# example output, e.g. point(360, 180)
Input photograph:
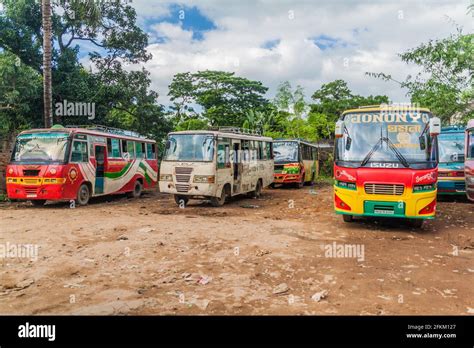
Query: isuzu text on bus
point(76, 164)
point(386, 160)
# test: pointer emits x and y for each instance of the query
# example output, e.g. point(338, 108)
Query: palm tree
point(47, 88)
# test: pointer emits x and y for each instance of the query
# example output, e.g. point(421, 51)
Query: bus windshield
point(190, 147)
point(40, 147)
point(378, 137)
point(285, 151)
point(451, 147)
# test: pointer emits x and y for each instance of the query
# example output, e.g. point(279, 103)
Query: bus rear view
point(386, 160)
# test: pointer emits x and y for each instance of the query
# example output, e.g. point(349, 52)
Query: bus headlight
point(166, 177)
point(204, 179)
point(424, 188)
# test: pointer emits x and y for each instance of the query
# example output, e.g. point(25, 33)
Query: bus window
point(245, 150)
point(79, 151)
point(150, 151)
point(260, 150)
point(223, 153)
point(113, 148)
point(131, 148)
point(140, 153)
point(268, 150)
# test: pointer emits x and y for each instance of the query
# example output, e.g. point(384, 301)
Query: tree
point(47, 97)
point(223, 97)
point(445, 83)
point(335, 97)
point(123, 98)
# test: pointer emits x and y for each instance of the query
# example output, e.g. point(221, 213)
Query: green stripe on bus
point(115, 175)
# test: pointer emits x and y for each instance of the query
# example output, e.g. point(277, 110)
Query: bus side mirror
point(168, 144)
point(435, 126)
point(339, 131)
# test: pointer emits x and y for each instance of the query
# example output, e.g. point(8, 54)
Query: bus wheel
point(38, 202)
point(347, 218)
point(181, 201)
point(272, 185)
point(416, 223)
point(258, 190)
point(301, 183)
point(219, 201)
point(137, 190)
point(83, 195)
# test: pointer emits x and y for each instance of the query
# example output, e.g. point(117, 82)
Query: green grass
point(3, 197)
point(324, 180)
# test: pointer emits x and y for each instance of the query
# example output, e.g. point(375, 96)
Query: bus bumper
point(409, 205)
point(41, 191)
point(286, 178)
point(451, 187)
point(188, 189)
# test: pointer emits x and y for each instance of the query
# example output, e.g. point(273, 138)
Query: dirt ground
point(264, 256)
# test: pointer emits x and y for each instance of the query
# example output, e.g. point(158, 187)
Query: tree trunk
point(47, 89)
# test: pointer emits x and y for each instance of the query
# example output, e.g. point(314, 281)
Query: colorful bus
point(215, 165)
point(78, 163)
point(386, 161)
point(451, 161)
point(296, 162)
point(469, 160)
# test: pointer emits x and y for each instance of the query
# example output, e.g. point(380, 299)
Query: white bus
point(216, 165)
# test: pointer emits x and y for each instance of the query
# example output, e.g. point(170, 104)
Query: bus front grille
point(183, 170)
point(182, 188)
point(384, 189)
point(183, 174)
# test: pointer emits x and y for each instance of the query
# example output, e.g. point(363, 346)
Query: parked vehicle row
point(388, 162)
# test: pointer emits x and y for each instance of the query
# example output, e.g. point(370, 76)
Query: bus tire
point(38, 202)
point(181, 200)
point(272, 185)
point(416, 223)
point(83, 194)
point(219, 201)
point(258, 190)
point(347, 218)
point(137, 190)
point(301, 183)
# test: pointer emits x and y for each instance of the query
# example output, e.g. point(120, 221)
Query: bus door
point(100, 152)
point(236, 167)
point(224, 172)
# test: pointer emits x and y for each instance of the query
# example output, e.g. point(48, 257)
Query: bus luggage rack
point(110, 130)
point(238, 130)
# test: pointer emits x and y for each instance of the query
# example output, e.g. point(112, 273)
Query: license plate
point(31, 196)
point(384, 212)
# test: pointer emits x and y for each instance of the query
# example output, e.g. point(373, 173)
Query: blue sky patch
point(325, 42)
point(271, 44)
point(189, 18)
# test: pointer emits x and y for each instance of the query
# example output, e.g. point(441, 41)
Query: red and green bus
point(469, 160)
point(386, 163)
point(74, 164)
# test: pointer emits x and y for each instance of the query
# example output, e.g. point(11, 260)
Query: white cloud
point(373, 33)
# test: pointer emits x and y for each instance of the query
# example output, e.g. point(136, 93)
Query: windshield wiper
point(392, 147)
point(399, 155)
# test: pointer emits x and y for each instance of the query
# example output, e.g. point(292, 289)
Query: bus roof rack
point(110, 130)
point(238, 130)
point(369, 106)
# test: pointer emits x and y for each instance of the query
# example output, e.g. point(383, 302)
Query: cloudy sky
point(305, 42)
